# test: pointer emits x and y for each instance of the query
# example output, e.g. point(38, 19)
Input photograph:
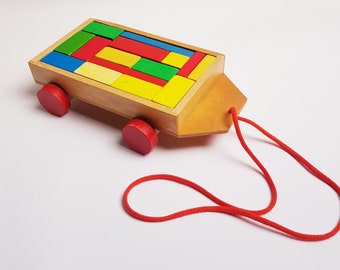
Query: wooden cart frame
point(204, 109)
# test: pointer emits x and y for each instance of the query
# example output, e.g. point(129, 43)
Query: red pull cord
point(223, 207)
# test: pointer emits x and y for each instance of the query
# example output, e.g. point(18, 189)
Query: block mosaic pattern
point(143, 66)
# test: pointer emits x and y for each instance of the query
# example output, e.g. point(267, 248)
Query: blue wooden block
point(158, 43)
point(62, 61)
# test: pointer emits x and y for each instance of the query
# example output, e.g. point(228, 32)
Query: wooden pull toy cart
point(175, 88)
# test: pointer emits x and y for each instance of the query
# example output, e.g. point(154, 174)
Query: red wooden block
point(138, 48)
point(128, 71)
point(91, 48)
point(191, 64)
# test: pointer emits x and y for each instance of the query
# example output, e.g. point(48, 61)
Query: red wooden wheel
point(140, 136)
point(53, 99)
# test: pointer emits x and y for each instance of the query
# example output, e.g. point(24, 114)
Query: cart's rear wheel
point(54, 99)
point(140, 136)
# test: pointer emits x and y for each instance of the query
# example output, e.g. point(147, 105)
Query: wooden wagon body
point(191, 98)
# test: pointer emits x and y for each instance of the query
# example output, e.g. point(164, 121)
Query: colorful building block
point(156, 69)
point(201, 67)
point(91, 48)
point(158, 43)
point(104, 30)
point(118, 56)
point(175, 59)
point(62, 61)
point(98, 73)
point(138, 48)
point(72, 44)
point(190, 65)
point(174, 91)
point(137, 87)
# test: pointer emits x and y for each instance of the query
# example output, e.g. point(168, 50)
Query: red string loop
point(223, 207)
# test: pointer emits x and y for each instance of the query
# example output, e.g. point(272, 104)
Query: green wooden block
point(155, 69)
point(103, 30)
point(75, 42)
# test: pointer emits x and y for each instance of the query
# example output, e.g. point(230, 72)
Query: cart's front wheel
point(54, 99)
point(139, 136)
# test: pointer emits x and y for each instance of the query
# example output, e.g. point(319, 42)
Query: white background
point(62, 179)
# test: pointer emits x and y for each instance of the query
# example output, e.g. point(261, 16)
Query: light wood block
point(98, 73)
point(118, 56)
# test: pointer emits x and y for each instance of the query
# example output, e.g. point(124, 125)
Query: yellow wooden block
point(137, 87)
point(118, 56)
point(175, 59)
point(174, 91)
point(201, 67)
point(98, 73)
